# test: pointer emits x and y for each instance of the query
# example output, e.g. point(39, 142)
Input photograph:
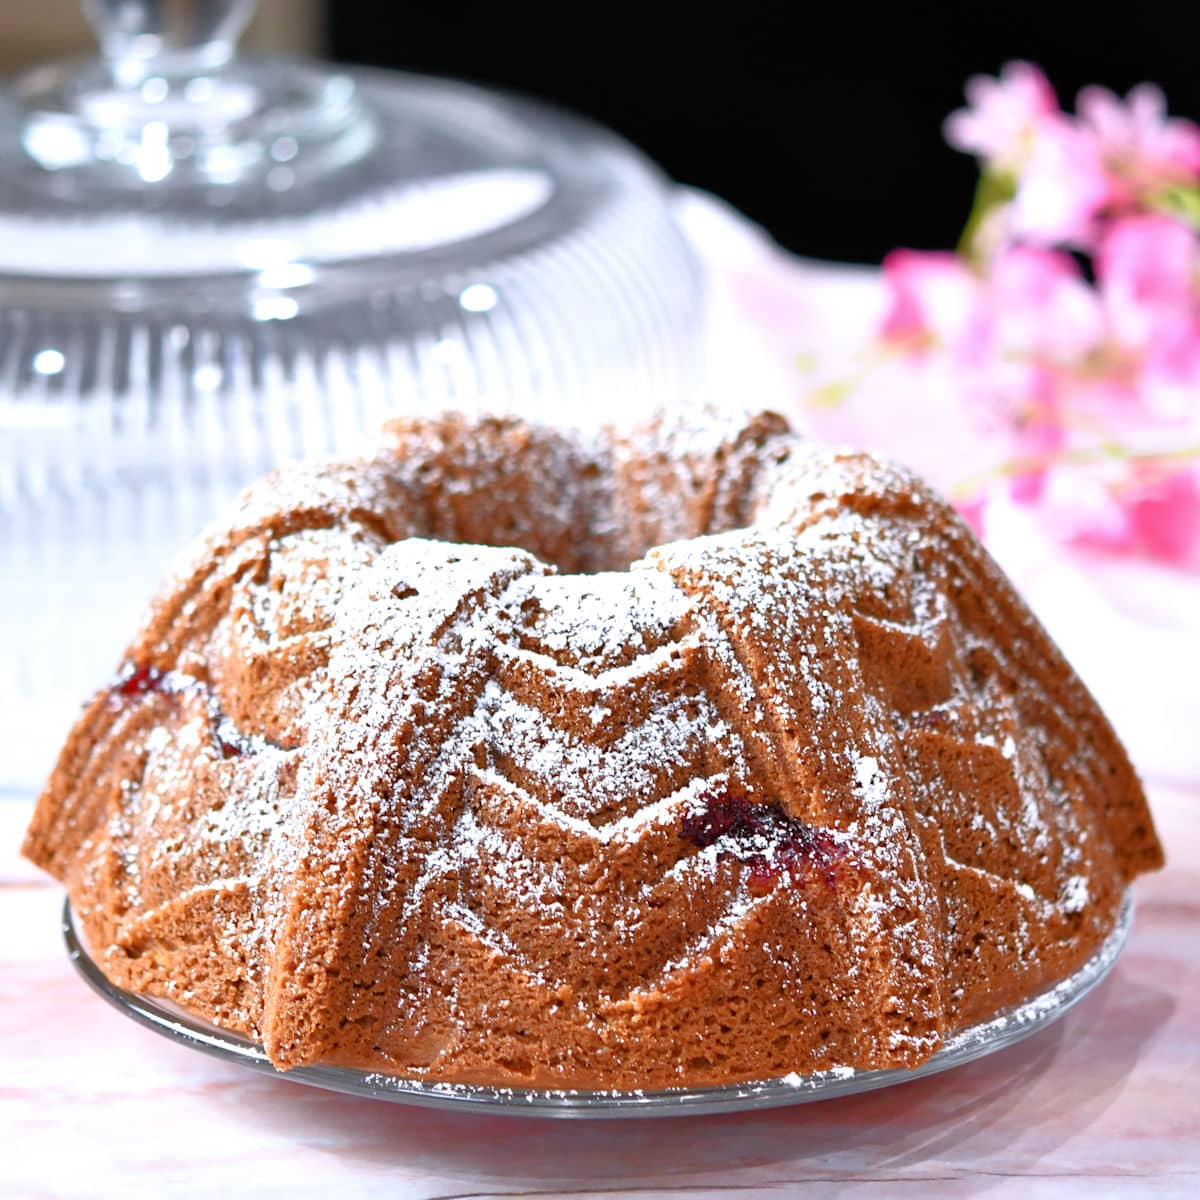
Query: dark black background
point(822, 123)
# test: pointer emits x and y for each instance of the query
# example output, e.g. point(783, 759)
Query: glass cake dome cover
point(209, 265)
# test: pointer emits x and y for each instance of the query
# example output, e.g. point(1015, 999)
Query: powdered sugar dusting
point(462, 737)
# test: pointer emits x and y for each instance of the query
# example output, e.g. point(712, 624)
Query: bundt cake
point(527, 757)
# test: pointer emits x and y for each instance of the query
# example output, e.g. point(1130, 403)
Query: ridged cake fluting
point(518, 756)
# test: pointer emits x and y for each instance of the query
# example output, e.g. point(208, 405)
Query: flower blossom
point(1163, 515)
point(1029, 303)
point(933, 302)
point(1084, 386)
point(1148, 276)
point(1142, 150)
point(1053, 366)
point(1116, 156)
point(1002, 116)
point(1041, 306)
point(1062, 188)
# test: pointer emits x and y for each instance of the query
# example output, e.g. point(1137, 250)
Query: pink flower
point(1078, 507)
point(1148, 268)
point(1041, 305)
point(1153, 514)
point(1141, 148)
point(1006, 330)
point(1062, 187)
point(1164, 516)
point(1002, 115)
point(1170, 377)
point(1148, 271)
point(1081, 399)
point(933, 301)
point(1068, 172)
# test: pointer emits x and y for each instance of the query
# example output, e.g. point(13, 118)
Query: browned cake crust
point(806, 785)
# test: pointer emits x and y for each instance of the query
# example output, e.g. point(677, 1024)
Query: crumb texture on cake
point(518, 756)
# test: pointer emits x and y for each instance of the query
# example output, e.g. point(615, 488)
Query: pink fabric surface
point(1106, 1102)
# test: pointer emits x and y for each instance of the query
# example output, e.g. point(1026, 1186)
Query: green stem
point(994, 189)
point(1109, 452)
point(1179, 200)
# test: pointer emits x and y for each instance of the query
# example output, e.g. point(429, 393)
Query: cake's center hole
point(570, 503)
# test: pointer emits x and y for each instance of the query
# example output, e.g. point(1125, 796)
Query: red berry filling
point(934, 718)
point(770, 843)
point(143, 680)
point(138, 681)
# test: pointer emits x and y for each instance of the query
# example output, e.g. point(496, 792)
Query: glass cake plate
point(1005, 1029)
